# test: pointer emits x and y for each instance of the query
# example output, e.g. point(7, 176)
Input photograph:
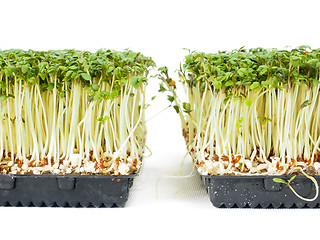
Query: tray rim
point(67, 176)
point(259, 176)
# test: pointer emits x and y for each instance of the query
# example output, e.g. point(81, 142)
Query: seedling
point(280, 180)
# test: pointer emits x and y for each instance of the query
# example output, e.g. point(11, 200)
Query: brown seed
point(20, 163)
point(31, 164)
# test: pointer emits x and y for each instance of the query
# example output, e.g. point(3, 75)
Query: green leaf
point(248, 102)
point(153, 98)
point(242, 72)
point(264, 119)
point(239, 122)
point(69, 73)
point(217, 84)
point(162, 88)
point(135, 81)
point(103, 119)
point(51, 72)
point(73, 67)
point(255, 85)
point(313, 61)
point(306, 103)
point(3, 97)
point(32, 80)
point(304, 47)
point(50, 86)
point(96, 97)
point(170, 98)
point(62, 94)
point(25, 68)
point(225, 101)
point(186, 107)
point(279, 180)
point(3, 86)
point(228, 75)
point(295, 61)
point(163, 69)
point(189, 58)
point(176, 108)
point(237, 98)
point(92, 57)
point(109, 70)
point(100, 61)
point(315, 82)
point(292, 178)
point(114, 94)
point(42, 76)
point(94, 87)
point(146, 106)
point(229, 83)
point(8, 72)
point(86, 76)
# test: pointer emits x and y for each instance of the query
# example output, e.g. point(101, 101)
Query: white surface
point(159, 206)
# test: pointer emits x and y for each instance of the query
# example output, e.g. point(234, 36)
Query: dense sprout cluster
point(255, 68)
point(251, 111)
point(70, 111)
point(68, 66)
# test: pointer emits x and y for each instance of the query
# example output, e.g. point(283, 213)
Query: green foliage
point(186, 107)
point(86, 76)
point(292, 178)
point(306, 103)
point(163, 70)
point(103, 119)
point(162, 88)
point(255, 85)
point(256, 68)
point(248, 102)
point(54, 68)
point(170, 98)
point(4, 97)
point(279, 180)
point(176, 108)
point(239, 122)
point(50, 86)
point(137, 81)
point(95, 87)
point(264, 119)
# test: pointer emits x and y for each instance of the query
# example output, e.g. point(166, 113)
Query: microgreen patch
point(259, 104)
point(76, 107)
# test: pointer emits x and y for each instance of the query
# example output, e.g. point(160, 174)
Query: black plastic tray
point(259, 192)
point(65, 190)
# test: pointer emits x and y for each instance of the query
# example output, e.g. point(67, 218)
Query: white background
point(160, 206)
